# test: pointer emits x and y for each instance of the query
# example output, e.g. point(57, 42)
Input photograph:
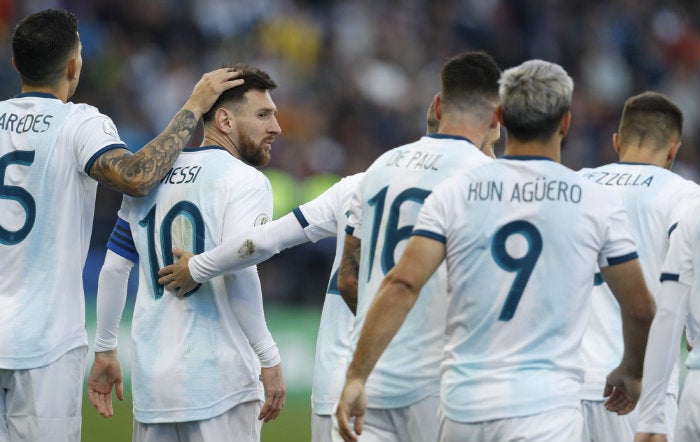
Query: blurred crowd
point(356, 77)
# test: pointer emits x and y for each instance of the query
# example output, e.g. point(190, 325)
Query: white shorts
point(44, 404)
point(688, 421)
point(321, 428)
point(416, 423)
point(238, 424)
point(601, 425)
point(559, 425)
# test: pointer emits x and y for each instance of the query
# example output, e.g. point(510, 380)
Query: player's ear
point(223, 119)
point(673, 151)
point(72, 69)
point(438, 107)
point(565, 124)
point(616, 142)
point(14, 65)
point(499, 114)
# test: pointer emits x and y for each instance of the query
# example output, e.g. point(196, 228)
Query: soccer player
point(677, 301)
point(403, 390)
point(647, 141)
point(521, 236)
point(320, 218)
point(52, 155)
point(196, 360)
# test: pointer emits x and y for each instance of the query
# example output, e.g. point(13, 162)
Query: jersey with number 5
point(191, 357)
point(523, 238)
point(47, 203)
point(382, 213)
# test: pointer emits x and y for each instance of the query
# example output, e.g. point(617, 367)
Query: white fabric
point(111, 297)
point(43, 404)
point(516, 311)
point(382, 213)
point(238, 424)
point(655, 198)
point(688, 421)
point(558, 425)
point(47, 202)
point(325, 216)
point(249, 248)
point(192, 358)
point(321, 428)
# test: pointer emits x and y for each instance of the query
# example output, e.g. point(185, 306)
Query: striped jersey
point(523, 236)
point(382, 213)
point(654, 198)
point(190, 357)
point(47, 203)
point(321, 218)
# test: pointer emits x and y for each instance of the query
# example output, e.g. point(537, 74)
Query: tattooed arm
point(349, 271)
point(135, 174)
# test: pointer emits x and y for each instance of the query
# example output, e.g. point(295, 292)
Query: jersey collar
point(36, 94)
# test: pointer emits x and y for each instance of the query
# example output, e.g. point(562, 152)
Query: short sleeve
point(432, 219)
point(94, 134)
point(618, 245)
point(678, 265)
point(249, 205)
point(354, 210)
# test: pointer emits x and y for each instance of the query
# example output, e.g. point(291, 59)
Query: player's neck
point(644, 156)
point(550, 149)
point(59, 91)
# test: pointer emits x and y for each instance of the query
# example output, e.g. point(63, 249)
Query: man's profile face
point(256, 127)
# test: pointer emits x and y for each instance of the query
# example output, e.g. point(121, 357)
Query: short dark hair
point(42, 44)
point(650, 116)
point(470, 82)
point(253, 78)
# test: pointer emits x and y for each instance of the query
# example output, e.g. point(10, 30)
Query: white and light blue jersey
point(191, 360)
point(654, 198)
point(682, 264)
point(47, 203)
point(321, 218)
point(523, 238)
point(382, 213)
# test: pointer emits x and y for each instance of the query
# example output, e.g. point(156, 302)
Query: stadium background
point(355, 78)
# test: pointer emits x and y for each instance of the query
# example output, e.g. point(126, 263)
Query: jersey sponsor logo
point(620, 179)
point(261, 219)
point(181, 175)
point(414, 160)
point(109, 128)
point(26, 123)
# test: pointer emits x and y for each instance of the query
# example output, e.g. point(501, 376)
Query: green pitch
point(293, 425)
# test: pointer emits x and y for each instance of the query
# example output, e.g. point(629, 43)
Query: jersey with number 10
point(523, 238)
point(382, 214)
point(47, 203)
point(191, 358)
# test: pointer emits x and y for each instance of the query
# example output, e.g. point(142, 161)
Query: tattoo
point(135, 174)
point(349, 272)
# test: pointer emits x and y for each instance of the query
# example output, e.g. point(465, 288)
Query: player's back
point(523, 237)
point(46, 211)
point(654, 198)
point(391, 196)
point(192, 360)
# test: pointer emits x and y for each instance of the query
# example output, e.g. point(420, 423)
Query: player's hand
point(650, 437)
point(622, 390)
point(106, 372)
point(353, 402)
point(209, 88)
point(275, 393)
point(176, 277)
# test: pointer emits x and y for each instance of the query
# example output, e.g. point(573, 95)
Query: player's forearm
point(384, 318)
point(663, 350)
point(348, 272)
point(111, 297)
point(250, 248)
point(135, 174)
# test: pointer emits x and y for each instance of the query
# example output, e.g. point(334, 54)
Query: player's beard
point(252, 153)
